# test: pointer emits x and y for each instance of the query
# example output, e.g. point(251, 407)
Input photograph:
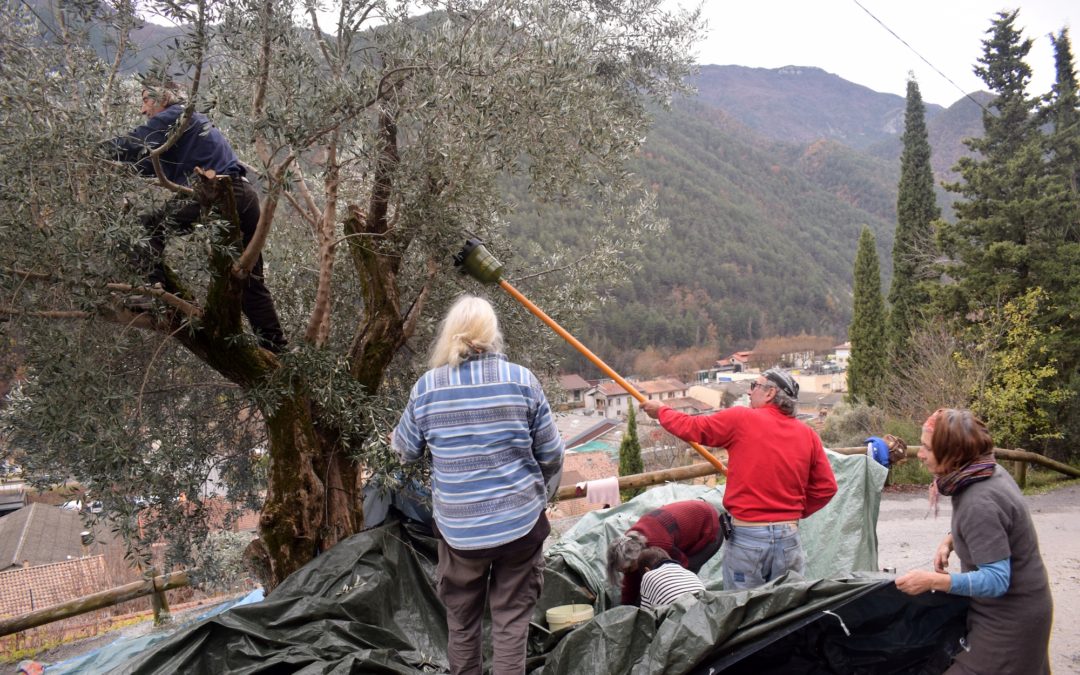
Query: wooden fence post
point(158, 601)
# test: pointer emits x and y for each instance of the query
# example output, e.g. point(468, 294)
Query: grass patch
point(1039, 480)
point(911, 472)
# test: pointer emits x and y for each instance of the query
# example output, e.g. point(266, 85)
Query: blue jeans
point(756, 555)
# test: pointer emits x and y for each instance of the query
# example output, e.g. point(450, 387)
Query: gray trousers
point(512, 584)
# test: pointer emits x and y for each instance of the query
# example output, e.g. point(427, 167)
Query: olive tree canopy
point(381, 132)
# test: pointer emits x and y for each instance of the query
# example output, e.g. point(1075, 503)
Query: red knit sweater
point(777, 468)
point(680, 528)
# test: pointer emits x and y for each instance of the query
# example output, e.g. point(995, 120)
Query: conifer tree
point(1016, 227)
point(1002, 185)
point(1056, 264)
point(866, 368)
point(916, 210)
point(630, 461)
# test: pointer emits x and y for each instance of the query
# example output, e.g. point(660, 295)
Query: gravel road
point(908, 536)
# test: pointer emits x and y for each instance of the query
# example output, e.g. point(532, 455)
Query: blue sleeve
point(548, 447)
point(135, 146)
point(989, 581)
point(409, 441)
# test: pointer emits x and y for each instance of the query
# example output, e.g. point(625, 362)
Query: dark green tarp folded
point(368, 606)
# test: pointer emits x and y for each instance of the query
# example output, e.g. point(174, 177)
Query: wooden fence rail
point(114, 596)
point(1022, 457)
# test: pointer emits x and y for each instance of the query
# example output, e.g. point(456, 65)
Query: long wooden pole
point(113, 596)
point(700, 470)
point(630, 389)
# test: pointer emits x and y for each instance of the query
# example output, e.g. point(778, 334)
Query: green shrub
point(848, 426)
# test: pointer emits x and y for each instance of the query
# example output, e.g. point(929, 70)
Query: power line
point(916, 53)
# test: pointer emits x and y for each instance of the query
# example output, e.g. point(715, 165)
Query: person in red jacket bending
point(687, 531)
point(777, 474)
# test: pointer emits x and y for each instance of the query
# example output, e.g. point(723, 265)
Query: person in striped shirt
point(664, 580)
point(496, 459)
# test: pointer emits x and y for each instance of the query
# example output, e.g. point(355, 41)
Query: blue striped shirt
point(493, 445)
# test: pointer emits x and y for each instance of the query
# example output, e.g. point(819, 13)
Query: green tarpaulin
point(368, 605)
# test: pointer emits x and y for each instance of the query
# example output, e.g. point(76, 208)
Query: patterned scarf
point(954, 482)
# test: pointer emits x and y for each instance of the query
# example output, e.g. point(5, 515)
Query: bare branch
point(188, 309)
point(149, 367)
point(416, 309)
point(301, 211)
point(319, 322)
point(266, 216)
point(552, 270)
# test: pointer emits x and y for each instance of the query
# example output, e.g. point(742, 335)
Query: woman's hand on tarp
point(917, 582)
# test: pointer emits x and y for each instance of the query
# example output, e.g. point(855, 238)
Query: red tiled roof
point(613, 389)
point(586, 466)
point(573, 382)
point(26, 589)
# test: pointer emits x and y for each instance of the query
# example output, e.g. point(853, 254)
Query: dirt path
point(908, 536)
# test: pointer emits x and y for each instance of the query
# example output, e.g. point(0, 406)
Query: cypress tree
point(916, 210)
point(866, 368)
point(630, 461)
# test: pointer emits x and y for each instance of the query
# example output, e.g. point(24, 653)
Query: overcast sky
point(840, 37)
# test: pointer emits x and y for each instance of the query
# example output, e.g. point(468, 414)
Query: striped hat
point(785, 382)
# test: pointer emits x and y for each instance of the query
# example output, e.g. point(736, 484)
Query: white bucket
point(568, 616)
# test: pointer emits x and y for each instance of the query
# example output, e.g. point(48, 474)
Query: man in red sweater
point(777, 474)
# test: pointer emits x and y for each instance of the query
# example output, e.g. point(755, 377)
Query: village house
point(725, 369)
point(608, 399)
point(571, 392)
point(843, 354)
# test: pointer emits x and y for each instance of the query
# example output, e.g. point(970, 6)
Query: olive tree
point(380, 137)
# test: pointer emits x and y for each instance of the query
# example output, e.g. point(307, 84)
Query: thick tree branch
point(266, 216)
point(319, 321)
point(417, 308)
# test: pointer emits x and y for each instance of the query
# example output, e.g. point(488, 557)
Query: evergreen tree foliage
point(1002, 186)
point(916, 210)
point(1057, 266)
point(1017, 225)
point(630, 461)
point(866, 368)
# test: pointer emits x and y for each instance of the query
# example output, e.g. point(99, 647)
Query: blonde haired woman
point(494, 452)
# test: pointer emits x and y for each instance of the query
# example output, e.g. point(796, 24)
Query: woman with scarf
point(992, 533)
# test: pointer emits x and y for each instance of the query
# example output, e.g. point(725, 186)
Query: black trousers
point(179, 216)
